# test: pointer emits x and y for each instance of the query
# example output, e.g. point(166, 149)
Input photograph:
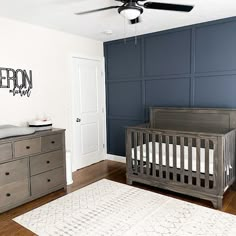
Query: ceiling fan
point(132, 9)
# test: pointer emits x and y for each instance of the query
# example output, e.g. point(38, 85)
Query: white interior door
point(89, 115)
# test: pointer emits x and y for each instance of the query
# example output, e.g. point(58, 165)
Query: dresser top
point(34, 135)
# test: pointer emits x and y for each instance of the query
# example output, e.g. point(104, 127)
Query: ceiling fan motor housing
point(130, 10)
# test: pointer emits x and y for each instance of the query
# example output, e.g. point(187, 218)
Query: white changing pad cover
point(178, 156)
point(11, 131)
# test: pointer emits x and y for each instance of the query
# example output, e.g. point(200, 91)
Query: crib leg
point(218, 203)
point(129, 181)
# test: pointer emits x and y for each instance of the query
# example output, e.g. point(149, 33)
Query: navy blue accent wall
point(193, 66)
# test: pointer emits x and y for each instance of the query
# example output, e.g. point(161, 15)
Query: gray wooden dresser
point(31, 166)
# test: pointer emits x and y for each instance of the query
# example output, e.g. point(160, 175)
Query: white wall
point(47, 53)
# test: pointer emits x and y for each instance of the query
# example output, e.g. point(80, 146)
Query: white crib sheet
point(178, 157)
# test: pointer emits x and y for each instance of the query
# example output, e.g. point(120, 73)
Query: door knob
point(78, 120)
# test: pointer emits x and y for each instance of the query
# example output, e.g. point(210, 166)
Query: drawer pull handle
point(48, 162)
point(49, 180)
point(52, 142)
point(7, 173)
point(27, 147)
point(8, 194)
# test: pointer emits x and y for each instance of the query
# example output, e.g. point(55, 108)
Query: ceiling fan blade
point(96, 10)
point(126, 1)
point(135, 21)
point(167, 6)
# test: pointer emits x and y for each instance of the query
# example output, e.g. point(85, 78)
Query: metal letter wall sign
point(18, 81)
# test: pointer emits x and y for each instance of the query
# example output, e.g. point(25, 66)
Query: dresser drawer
point(44, 182)
point(51, 142)
point(5, 152)
point(13, 171)
point(13, 193)
point(45, 162)
point(27, 147)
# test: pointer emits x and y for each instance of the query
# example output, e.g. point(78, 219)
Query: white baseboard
point(115, 158)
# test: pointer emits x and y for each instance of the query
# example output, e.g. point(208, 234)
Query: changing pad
point(11, 131)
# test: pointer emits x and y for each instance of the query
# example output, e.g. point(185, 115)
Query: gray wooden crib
point(186, 150)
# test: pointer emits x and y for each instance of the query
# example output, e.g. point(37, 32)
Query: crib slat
point(219, 164)
point(207, 163)
point(135, 152)
point(167, 158)
point(225, 162)
point(160, 155)
point(231, 160)
point(215, 161)
point(198, 145)
point(141, 151)
point(174, 159)
point(147, 153)
point(153, 155)
point(182, 159)
point(233, 156)
point(230, 150)
point(227, 158)
point(190, 170)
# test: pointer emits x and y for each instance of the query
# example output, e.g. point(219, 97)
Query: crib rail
point(181, 158)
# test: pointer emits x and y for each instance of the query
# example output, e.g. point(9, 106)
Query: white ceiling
point(59, 15)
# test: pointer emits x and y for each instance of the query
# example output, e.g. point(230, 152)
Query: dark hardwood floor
point(106, 169)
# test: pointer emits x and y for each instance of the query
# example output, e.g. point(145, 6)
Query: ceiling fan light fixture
point(130, 12)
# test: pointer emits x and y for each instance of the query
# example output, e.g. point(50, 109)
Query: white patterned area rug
point(109, 208)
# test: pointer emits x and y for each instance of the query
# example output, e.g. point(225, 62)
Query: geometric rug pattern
point(107, 208)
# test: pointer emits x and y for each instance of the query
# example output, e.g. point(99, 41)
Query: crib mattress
point(178, 156)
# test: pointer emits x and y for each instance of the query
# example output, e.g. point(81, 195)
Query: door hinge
point(103, 145)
